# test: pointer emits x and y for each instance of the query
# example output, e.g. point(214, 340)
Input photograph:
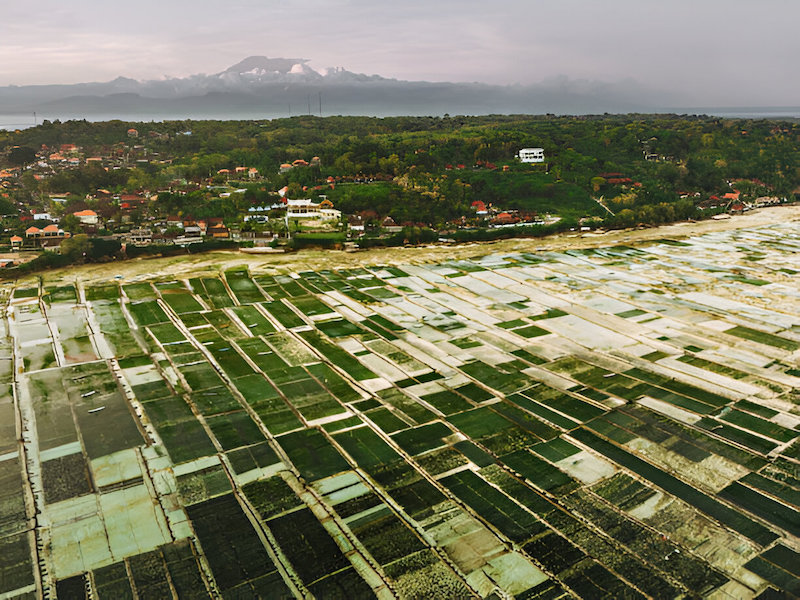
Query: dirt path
point(212, 263)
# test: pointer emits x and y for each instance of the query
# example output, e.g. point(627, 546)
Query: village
point(308, 203)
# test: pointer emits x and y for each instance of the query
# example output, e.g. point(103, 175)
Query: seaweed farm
point(621, 422)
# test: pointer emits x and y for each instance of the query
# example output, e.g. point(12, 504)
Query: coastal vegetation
point(394, 180)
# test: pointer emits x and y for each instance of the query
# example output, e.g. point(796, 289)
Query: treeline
point(429, 170)
point(703, 151)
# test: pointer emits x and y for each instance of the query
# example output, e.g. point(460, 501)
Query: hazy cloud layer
point(710, 51)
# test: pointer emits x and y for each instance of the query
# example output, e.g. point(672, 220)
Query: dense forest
point(644, 169)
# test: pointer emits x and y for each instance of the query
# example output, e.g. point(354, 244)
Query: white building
point(531, 155)
point(306, 209)
point(87, 217)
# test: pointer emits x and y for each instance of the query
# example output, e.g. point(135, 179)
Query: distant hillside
point(261, 87)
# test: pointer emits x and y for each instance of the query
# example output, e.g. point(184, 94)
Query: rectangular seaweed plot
point(184, 570)
point(149, 575)
point(782, 515)
point(147, 312)
point(727, 516)
point(12, 497)
point(385, 536)
point(264, 399)
point(312, 454)
point(283, 314)
point(311, 399)
point(115, 328)
point(366, 447)
point(181, 301)
point(779, 566)
point(139, 291)
point(54, 423)
point(234, 430)
point(314, 555)
point(338, 356)
point(185, 440)
point(245, 290)
point(112, 582)
point(498, 509)
point(494, 431)
point(65, 477)
point(212, 290)
point(102, 413)
point(253, 320)
point(217, 293)
point(16, 565)
point(233, 549)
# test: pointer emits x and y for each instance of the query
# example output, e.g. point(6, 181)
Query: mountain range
point(261, 87)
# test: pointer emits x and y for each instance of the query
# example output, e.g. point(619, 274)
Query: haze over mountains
point(261, 87)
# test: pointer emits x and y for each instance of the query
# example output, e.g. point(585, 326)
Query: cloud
point(718, 50)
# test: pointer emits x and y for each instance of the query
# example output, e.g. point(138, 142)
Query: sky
point(714, 52)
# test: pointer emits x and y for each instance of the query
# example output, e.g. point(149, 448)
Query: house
point(505, 218)
point(52, 245)
point(186, 239)
point(285, 167)
point(330, 214)
point(388, 224)
point(531, 155)
point(52, 231)
point(16, 242)
point(133, 133)
point(141, 236)
point(306, 209)
point(711, 203)
point(87, 217)
point(218, 231)
point(33, 232)
point(479, 207)
point(355, 223)
point(736, 208)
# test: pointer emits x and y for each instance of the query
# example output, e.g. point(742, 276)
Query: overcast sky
point(718, 52)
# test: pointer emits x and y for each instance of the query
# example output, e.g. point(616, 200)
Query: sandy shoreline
point(212, 263)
